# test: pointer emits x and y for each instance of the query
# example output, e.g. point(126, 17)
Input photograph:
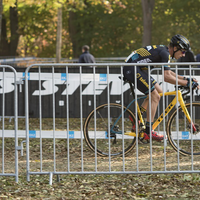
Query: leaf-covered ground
point(170, 186)
point(101, 186)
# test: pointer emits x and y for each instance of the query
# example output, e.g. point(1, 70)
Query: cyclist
point(156, 54)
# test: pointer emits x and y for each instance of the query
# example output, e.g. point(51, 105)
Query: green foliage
point(36, 32)
point(115, 34)
point(176, 17)
point(112, 28)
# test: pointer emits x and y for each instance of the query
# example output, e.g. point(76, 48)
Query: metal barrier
point(9, 147)
point(57, 146)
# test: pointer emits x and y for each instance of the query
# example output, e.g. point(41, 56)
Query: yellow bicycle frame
point(171, 105)
point(167, 110)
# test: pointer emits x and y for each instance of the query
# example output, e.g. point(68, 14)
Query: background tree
point(176, 17)
point(110, 31)
point(111, 28)
point(9, 47)
point(59, 35)
point(147, 10)
point(1, 9)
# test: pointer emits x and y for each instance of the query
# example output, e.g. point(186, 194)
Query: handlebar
point(185, 90)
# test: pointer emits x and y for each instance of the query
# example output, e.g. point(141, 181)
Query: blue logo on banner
point(71, 134)
point(24, 76)
point(103, 77)
point(185, 135)
point(63, 77)
point(32, 134)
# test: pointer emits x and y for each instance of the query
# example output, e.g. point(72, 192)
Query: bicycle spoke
point(182, 134)
point(109, 140)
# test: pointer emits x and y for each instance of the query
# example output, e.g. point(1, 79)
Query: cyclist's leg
point(155, 98)
point(143, 86)
point(146, 101)
point(158, 88)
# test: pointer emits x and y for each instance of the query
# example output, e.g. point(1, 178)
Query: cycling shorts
point(142, 78)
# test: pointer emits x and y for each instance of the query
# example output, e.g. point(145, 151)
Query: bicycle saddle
point(124, 79)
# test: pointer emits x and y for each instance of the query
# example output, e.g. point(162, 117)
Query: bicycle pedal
point(141, 134)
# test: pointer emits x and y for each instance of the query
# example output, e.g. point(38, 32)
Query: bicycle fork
point(186, 112)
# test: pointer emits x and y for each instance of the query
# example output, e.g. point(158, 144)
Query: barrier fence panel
point(9, 145)
point(76, 124)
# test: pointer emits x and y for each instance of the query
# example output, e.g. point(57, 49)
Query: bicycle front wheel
point(181, 134)
point(103, 129)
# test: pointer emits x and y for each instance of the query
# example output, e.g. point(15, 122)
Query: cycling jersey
point(148, 54)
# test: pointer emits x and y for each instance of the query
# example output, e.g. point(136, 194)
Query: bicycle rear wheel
point(96, 130)
point(180, 134)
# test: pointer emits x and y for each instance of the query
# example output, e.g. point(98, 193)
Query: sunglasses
point(183, 51)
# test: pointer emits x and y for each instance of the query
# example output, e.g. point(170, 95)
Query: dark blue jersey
point(150, 54)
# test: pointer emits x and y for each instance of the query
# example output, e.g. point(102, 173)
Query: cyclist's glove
point(192, 82)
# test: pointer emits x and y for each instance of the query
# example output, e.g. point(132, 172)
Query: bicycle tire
point(188, 142)
point(102, 140)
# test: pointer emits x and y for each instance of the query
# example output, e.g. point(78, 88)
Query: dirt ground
point(81, 159)
point(75, 156)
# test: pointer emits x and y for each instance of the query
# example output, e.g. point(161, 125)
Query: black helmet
point(181, 41)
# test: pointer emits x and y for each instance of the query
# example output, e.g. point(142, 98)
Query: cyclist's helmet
point(181, 41)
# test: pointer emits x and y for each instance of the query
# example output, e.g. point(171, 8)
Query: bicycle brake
point(195, 128)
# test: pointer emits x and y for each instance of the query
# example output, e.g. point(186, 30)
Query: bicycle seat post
point(132, 90)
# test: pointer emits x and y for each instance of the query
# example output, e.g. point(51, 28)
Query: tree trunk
point(1, 10)
point(9, 48)
point(147, 7)
point(59, 36)
point(14, 30)
point(73, 30)
point(4, 44)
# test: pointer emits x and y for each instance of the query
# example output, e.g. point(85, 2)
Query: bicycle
point(118, 137)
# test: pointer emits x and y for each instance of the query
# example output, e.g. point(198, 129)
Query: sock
point(142, 109)
point(148, 131)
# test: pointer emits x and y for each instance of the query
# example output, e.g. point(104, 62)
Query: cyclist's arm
point(170, 77)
